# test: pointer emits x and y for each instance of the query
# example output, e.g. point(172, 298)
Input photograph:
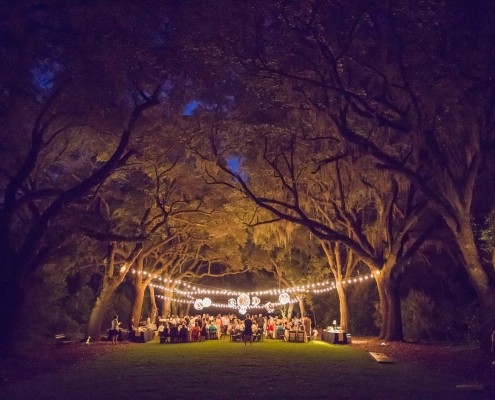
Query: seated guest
point(183, 334)
point(174, 334)
point(235, 336)
point(213, 331)
point(164, 334)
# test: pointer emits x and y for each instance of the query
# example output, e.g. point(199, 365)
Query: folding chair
point(246, 337)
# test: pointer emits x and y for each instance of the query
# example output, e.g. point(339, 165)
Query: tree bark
point(479, 279)
point(138, 299)
point(174, 308)
point(301, 307)
point(290, 310)
point(384, 309)
point(154, 307)
point(344, 307)
point(391, 313)
point(166, 307)
point(98, 311)
point(11, 300)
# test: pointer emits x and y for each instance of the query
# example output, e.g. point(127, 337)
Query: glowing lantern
point(243, 300)
point(198, 304)
point(231, 303)
point(206, 302)
point(242, 310)
point(284, 298)
point(255, 301)
point(269, 307)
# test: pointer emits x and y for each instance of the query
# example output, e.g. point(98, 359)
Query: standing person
point(307, 325)
point(132, 329)
point(204, 333)
point(114, 329)
point(218, 324)
point(261, 323)
point(248, 329)
point(225, 324)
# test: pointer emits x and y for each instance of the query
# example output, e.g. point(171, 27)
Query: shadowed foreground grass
point(220, 369)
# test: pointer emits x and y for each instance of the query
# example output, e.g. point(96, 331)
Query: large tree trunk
point(392, 318)
point(154, 307)
point(11, 301)
point(98, 311)
point(166, 308)
point(138, 300)
point(344, 307)
point(301, 307)
point(174, 308)
point(479, 279)
point(290, 310)
point(384, 309)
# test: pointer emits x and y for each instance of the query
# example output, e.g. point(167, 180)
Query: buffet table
point(334, 337)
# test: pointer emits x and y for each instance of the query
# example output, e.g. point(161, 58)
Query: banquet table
point(144, 336)
point(295, 336)
point(334, 337)
point(123, 335)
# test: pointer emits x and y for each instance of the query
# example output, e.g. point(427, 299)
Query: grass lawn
point(220, 369)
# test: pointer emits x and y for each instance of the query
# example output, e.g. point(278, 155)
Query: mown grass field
point(220, 369)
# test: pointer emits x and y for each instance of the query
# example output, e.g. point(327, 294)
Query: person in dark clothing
point(203, 334)
point(132, 329)
point(174, 334)
point(164, 334)
point(183, 334)
point(248, 329)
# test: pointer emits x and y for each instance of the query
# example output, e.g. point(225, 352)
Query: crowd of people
point(204, 327)
point(194, 328)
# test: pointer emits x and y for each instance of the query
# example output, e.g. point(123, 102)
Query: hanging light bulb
point(284, 298)
point(269, 307)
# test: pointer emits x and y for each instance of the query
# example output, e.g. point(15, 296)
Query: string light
point(245, 302)
point(317, 287)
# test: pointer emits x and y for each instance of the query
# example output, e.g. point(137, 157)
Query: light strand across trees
point(314, 288)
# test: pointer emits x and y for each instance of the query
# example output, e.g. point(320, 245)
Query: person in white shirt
point(114, 329)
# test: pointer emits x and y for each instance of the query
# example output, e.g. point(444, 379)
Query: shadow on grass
point(220, 369)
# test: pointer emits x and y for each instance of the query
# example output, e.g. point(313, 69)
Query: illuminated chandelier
point(206, 302)
point(243, 300)
point(198, 304)
point(284, 298)
point(269, 307)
